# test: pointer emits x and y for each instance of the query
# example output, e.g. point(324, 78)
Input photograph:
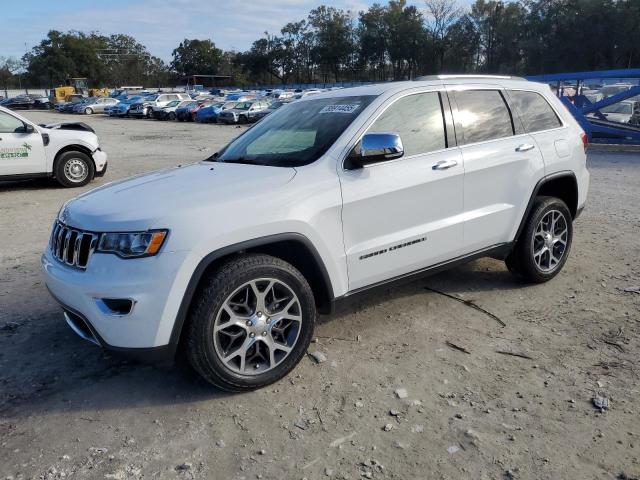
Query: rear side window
point(535, 111)
point(483, 115)
point(418, 120)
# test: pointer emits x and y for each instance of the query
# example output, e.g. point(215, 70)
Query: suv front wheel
point(545, 242)
point(252, 323)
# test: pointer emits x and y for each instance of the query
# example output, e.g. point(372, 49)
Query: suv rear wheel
point(252, 323)
point(545, 242)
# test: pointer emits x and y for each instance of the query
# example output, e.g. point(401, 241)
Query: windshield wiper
point(247, 161)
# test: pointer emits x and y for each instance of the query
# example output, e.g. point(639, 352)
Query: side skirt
point(498, 252)
point(24, 176)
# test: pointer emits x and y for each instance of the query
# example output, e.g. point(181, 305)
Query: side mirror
point(374, 148)
point(28, 128)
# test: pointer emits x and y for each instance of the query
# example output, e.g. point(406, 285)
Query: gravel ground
point(392, 400)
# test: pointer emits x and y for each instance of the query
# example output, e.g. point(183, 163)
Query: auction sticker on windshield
point(347, 108)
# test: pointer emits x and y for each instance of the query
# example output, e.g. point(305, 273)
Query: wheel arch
point(72, 148)
point(562, 185)
point(293, 248)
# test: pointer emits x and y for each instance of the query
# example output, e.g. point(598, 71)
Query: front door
point(20, 152)
point(403, 215)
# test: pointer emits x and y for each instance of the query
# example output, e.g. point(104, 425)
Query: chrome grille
point(71, 246)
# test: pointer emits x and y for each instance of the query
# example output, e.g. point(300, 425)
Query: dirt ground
point(69, 410)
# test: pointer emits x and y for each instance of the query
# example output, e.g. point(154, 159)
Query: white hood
point(171, 197)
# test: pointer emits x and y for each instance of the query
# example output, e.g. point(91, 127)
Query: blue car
point(210, 114)
point(122, 108)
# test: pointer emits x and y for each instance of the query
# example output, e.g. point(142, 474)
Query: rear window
point(483, 115)
point(535, 111)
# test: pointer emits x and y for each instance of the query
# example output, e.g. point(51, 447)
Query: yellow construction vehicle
point(75, 89)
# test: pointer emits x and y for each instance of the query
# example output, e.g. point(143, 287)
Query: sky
point(160, 25)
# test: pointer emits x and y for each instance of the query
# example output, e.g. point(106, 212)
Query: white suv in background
point(145, 107)
point(231, 258)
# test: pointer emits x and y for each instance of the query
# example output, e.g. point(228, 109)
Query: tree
point(373, 35)
point(193, 57)
point(10, 68)
point(443, 15)
point(407, 44)
point(64, 55)
point(333, 38)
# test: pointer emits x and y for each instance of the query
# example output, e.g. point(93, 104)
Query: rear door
point(500, 161)
point(540, 120)
point(20, 152)
point(403, 215)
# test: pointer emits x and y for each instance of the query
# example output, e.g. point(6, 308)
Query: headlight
point(132, 244)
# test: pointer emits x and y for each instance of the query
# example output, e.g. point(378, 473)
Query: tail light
point(585, 140)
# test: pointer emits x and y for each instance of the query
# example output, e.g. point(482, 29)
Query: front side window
point(483, 115)
point(9, 123)
point(297, 134)
point(535, 111)
point(418, 120)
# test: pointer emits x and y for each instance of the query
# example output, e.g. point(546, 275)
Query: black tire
point(216, 288)
point(172, 116)
point(242, 120)
point(62, 169)
point(88, 111)
point(521, 260)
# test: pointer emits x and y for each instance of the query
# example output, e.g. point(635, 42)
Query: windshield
point(173, 103)
point(618, 108)
point(297, 134)
point(243, 106)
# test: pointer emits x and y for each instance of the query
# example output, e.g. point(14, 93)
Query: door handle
point(525, 147)
point(444, 164)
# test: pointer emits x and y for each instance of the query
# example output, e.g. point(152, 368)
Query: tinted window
point(297, 134)
point(535, 111)
point(418, 120)
point(483, 115)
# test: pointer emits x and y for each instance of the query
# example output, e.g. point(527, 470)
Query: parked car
point(70, 107)
point(188, 111)
point(329, 197)
point(95, 105)
point(122, 109)
point(168, 112)
point(144, 107)
point(28, 102)
point(243, 112)
point(209, 114)
point(259, 115)
point(68, 152)
point(621, 111)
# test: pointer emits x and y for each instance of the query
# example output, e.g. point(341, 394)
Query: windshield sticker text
point(348, 108)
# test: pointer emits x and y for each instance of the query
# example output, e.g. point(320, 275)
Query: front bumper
point(156, 286)
point(100, 160)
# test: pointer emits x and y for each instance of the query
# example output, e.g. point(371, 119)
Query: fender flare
point(534, 194)
point(210, 258)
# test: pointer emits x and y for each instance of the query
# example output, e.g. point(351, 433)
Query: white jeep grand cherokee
point(68, 152)
point(231, 258)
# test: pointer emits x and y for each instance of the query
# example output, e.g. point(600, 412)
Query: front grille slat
point(72, 246)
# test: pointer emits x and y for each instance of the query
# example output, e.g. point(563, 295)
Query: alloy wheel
point(550, 240)
point(257, 326)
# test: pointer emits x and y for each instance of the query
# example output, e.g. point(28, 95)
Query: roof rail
point(470, 76)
